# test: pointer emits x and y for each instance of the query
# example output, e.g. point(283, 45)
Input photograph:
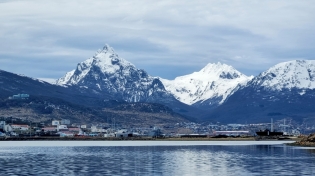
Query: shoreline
point(135, 139)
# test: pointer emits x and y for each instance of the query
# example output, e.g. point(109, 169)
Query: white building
point(55, 123)
point(62, 128)
point(7, 128)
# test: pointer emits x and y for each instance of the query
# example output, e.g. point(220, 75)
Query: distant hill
point(45, 109)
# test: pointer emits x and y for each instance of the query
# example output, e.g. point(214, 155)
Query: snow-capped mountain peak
point(107, 73)
point(222, 70)
point(287, 75)
point(106, 60)
point(215, 81)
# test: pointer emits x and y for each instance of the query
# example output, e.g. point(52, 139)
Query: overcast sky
point(46, 39)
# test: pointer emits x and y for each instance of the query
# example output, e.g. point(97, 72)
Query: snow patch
point(298, 74)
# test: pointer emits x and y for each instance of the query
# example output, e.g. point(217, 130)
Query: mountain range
point(286, 90)
point(216, 93)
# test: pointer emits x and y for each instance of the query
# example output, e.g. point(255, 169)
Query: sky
point(167, 38)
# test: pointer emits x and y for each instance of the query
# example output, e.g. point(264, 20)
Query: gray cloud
point(166, 38)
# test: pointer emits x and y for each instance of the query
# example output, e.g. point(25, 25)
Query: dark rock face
point(252, 104)
point(49, 101)
point(224, 75)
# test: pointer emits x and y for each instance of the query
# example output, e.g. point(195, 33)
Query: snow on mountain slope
point(215, 81)
point(298, 74)
point(106, 72)
point(107, 62)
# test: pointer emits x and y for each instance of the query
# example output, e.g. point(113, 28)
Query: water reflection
point(157, 160)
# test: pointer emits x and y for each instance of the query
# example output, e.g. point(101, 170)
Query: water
point(154, 158)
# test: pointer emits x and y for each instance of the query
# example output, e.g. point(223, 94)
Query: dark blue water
point(158, 160)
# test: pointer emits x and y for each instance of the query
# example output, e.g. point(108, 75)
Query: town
point(11, 127)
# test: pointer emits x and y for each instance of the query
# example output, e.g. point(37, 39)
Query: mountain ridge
point(218, 92)
point(283, 91)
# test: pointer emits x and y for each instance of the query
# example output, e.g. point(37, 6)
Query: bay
point(155, 158)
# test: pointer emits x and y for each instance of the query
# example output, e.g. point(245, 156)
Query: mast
point(271, 129)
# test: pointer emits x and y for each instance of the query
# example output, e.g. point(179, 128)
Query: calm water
point(191, 158)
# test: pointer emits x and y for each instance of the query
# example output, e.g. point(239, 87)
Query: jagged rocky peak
point(105, 61)
point(287, 75)
point(107, 73)
point(107, 56)
point(215, 81)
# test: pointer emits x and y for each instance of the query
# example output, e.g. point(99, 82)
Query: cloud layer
point(45, 39)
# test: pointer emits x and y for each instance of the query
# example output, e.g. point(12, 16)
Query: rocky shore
point(306, 141)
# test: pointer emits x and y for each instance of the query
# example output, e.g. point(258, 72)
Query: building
point(123, 134)
point(75, 130)
point(62, 128)
point(49, 129)
point(55, 123)
point(20, 127)
point(7, 128)
point(66, 134)
point(2, 125)
point(20, 96)
point(232, 133)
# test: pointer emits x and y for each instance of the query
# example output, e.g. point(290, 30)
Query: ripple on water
point(157, 160)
